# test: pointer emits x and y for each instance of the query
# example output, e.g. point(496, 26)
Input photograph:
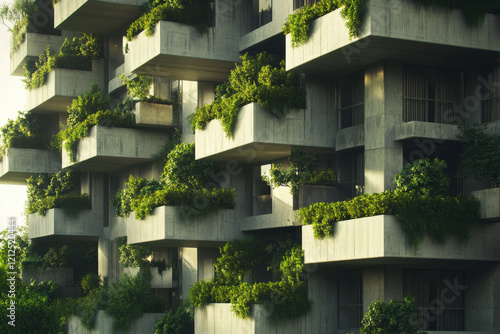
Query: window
point(351, 101)
point(262, 199)
point(439, 297)
point(432, 95)
point(301, 3)
point(262, 13)
point(350, 299)
point(490, 102)
point(351, 174)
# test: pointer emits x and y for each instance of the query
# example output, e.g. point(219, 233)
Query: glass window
point(301, 3)
point(262, 13)
point(490, 102)
point(350, 299)
point(351, 174)
point(351, 101)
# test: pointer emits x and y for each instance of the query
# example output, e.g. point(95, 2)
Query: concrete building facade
point(395, 93)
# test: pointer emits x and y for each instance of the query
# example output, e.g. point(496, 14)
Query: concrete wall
point(383, 237)
point(104, 324)
point(489, 200)
point(18, 164)
point(415, 129)
point(154, 115)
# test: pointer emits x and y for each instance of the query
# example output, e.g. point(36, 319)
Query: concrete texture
point(87, 224)
point(109, 149)
point(489, 200)
point(63, 276)
point(104, 324)
point(262, 136)
point(415, 129)
point(61, 88)
point(383, 237)
point(154, 115)
point(158, 281)
point(18, 164)
point(351, 137)
point(393, 29)
point(95, 16)
point(180, 51)
point(166, 226)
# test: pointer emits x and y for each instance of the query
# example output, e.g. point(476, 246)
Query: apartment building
point(393, 94)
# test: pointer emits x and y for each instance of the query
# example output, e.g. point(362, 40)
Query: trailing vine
point(257, 79)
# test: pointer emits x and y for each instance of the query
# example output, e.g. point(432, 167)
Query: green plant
point(179, 322)
point(425, 177)
point(194, 12)
point(18, 14)
point(134, 256)
point(23, 132)
point(481, 154)
point(257, 79)
point(391, 317)
point(90, 283)
point(139, 89)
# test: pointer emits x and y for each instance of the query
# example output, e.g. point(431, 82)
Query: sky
point(13, 97)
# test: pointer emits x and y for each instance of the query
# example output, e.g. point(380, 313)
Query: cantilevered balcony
point(109, 149)
point(489, 201)
point(399, 30)
point(95, 16)
point(435, 131)
point(381, 239)
point(18, 164)
point(33, 46)
point(169, 226)
point(56, 225)
point(154, 115)
point(180, 51)
point(259, 136)
point(61, 87)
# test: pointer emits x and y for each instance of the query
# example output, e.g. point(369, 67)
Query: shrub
point(425, 177)
point(18, 14)
point(24, 132)
point(257, 79)
point(133, 256)
point(179, 322)
point(90, 283)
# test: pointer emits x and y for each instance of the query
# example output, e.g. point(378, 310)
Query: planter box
point(104, 324)
point(382, 238)
point(166, 226)
point(62, 276)
point(308, 195)
point(389, 27)
point(61, 88)
point(109, 149)
point(95, 16)
point(154, 115)
point(18, 164)
point(489, 200)
point(180, 51)
point(163, 281)
point(416, 129)
point(259, 136)
point(87, 224)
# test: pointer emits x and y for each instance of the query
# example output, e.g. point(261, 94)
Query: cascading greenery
point(257, 79)
point(138, 89)
point(76, 53)
point(23, 132)
point(302, 170)
point(240, 256)
point(198, 13)
point(49, 191)
point(429, 213)
point(183, 184)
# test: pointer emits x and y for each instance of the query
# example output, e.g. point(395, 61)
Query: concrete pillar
point(103, 257)
point(383, 110)
point(373, 286)
point(189, 104)
point(189, 273)
point(496, 297)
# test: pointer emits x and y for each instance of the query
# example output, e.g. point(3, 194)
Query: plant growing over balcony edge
point(23, 132)
point(257, 79)
point(138, 89)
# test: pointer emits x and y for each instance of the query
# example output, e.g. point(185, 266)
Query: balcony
point(416, 129)
point(96, 16)
point(380, 239)
point(154, 115)
point(398, 30)
point(103, 323)
point(109, 149)
point(489, 200)
point(258, 136)
point(61, 88)
point(180, 51)
point(56, 225)
point(167, 226)
point(351, 137)
point(164, 280)
point(33, 46)
point(18, 164)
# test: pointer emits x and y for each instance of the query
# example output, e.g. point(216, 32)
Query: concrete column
point(383, 110)
point(189, 273)
point(189, 104)
point(373, 286)
point(103, 256)
point(496, 297)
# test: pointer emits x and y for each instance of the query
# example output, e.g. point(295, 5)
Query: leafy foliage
point(425, 177)
point(179, 322)
point(302, 170)
point(133, 256)
point(18, 14)
point(284, 299)
point(49, 191)
point(257, 79)
point(182, 185)
point(481, 155)
point(198, 13)
point(391, 317)
point(90, 283)
point(139, 88)
point(23, 132)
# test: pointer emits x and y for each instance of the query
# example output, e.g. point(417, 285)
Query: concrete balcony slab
point(489, 201)
point(95, 16)
point(259, 136)
point(18, 164)
point(398, 30)
point(33, 46)
point(416, 129)
point(180, 51)
point(154, 115)
point(381, 238)
point(56, 225)
point(61, 88)
point(167, 226)
point(109, 149)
